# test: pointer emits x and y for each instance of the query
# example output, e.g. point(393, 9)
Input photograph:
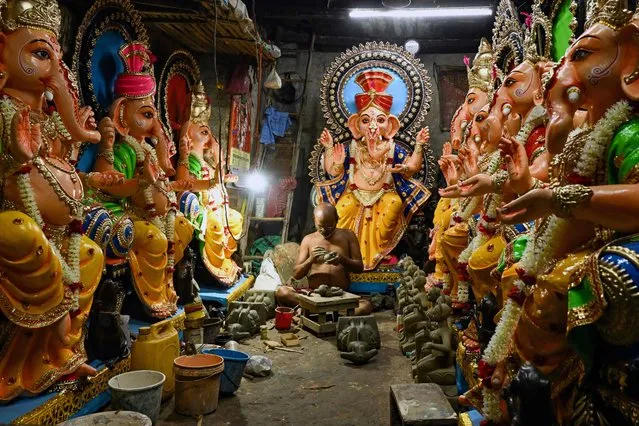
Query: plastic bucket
point(139, 391)
point(197, 383)
point(211, 329)
point(283, 318)
point(234, 363)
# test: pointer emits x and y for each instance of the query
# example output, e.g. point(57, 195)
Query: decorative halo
point(411, 87)
point(106, 27)
point(411, 91)
point(508, 38)
point(179, 75)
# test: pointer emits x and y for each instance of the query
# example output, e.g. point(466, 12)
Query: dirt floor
point(314, 388)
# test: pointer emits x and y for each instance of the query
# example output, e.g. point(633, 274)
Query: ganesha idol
point(371, 177)
point(146, 195)
point(452, 240)
point(217, 224)
point(563, 283)
point(49, 271)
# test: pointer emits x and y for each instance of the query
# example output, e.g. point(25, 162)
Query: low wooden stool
point(422, 404)
point(314, 304)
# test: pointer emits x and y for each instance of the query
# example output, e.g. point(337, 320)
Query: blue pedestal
point(224, 296)
point(55, 407)
point(382, 280)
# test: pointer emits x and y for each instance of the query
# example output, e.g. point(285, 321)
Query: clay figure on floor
point(359, 340)
point(342, 247)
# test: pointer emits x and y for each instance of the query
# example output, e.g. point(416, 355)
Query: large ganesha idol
point(371, 177)
point(146, 195)
point(200, 165)
point(48, 269)
point(564, 283)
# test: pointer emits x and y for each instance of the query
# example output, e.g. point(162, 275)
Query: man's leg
point(365, 307)
point(286, 296)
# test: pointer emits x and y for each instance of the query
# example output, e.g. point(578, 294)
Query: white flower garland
point(539, 251)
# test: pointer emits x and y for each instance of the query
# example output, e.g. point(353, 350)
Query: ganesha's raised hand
point(447, 149)
point(185, 147)
point(423, 137)
point(470, 160)
point(326, 139)
point(107, 133)
point(339, 153)
point(516, 160)
point(26, 138)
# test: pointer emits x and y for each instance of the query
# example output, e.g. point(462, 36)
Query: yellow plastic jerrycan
point(155, 349)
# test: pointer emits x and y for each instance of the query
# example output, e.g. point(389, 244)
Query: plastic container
point(139, 391)
point(155, 349)
point(234, 363)
point(197, 383)
point(211, 328)
point(283, 318)
point(120, 418)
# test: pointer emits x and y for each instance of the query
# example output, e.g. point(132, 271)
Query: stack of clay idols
point(434, 357)
point(411, 304)
point(246, 316)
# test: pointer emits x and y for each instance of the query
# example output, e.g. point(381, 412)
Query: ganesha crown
point(38, 14)
point(612, 14)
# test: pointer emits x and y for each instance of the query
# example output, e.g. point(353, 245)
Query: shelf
point(267, 219)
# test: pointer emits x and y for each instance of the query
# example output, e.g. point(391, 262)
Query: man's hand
point(317, 254)
point(333, 258)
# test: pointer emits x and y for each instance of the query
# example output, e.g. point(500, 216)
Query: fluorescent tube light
point(443, 12)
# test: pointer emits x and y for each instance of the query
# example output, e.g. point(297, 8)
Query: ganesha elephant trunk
point(61, 85)
point(163, 148)
point(561, 110)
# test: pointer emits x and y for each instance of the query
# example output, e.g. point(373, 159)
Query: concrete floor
point(314, 388)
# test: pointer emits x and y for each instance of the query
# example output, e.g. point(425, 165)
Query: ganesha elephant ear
point(394, 126)
point(117, 115)
point(352, 126)
point(630, 77)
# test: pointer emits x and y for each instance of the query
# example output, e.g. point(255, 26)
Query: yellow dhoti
point(43, 340)
point(441, 220)
point(454, 241)
point(379, 224)
point(148, 260)
point(481, 264)
point(219, 244)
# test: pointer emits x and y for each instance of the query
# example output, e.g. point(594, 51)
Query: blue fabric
point(275, 124)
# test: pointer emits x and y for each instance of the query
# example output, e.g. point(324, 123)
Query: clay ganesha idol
point(218, 223)
point(48, 269)
point(146, 194)
point(371, 181)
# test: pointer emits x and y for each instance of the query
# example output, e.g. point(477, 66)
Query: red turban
point(374, 83)
point(137, 81)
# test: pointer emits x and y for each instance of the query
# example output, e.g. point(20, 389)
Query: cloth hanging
point(275, 124)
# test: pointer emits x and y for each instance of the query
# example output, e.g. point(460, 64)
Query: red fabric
point(137, 81)
point(374, 83)
point(177, 101)
point(536, 140)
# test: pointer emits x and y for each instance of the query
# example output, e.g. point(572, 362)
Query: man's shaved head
point(325, 216)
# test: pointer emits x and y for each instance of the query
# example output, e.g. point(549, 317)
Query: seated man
point(326, 257)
